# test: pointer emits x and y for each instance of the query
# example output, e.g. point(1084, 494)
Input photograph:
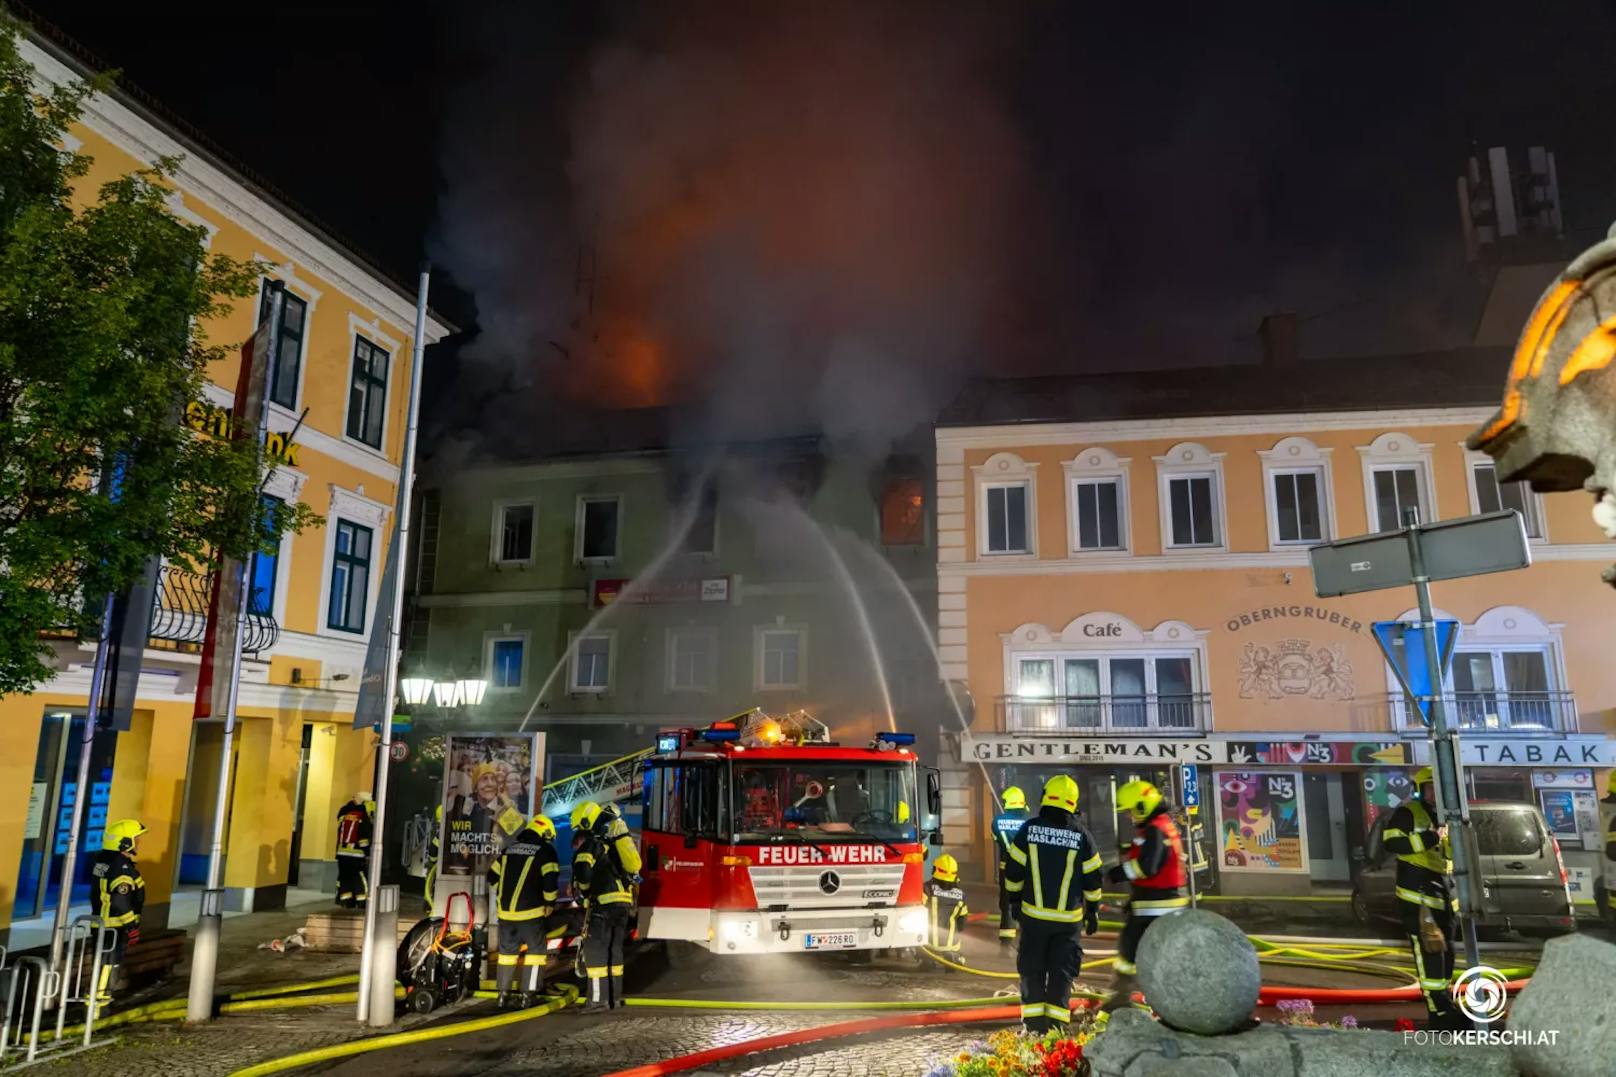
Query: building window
point(1190, 506)
point(367, 394)
point(1007, 528)
point(903, 512)
point(1396, 490)
point(288, 351)
point(1105, 692)
point(506, 661)
point(1097, 507)
point(597, 527)
point(1190, 488)
point(1503, 688)
point(692, 657)
point(1494, 496)
point(513, 533)
point(702, 536)
point(592, 663)
point(1298, 506)
point(780, 658)
point(265, 567)
point(350, 577)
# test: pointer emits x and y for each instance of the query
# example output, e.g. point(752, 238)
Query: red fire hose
point(1343, 995)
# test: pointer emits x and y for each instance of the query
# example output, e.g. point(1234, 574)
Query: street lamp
point(415, 690)
point(449, 694)
point(471, 691)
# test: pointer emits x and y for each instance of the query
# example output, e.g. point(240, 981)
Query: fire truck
point(761, 835)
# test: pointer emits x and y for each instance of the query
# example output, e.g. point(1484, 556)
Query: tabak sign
point(657, 592)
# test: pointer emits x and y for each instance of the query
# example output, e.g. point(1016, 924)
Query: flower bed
point(1011, 1053)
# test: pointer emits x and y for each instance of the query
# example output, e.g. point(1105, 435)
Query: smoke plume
point(811, 213)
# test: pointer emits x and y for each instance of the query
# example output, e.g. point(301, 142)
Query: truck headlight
point(733, 931)
point(913, 922)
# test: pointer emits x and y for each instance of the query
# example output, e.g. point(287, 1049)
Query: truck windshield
point(822, 801)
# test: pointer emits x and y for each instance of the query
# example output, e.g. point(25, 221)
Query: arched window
point(1506, 676)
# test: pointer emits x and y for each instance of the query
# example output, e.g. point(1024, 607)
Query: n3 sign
point(1192, 786)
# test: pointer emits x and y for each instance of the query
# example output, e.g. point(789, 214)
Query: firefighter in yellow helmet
point(119, 894)
point(1053, 876)
point(355, 822)
point(945, 907)
point(1005, 827)
point(1428, 907)
point(605, 867)
point(1153, 866)
point(523, 882)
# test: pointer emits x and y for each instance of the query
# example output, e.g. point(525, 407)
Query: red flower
point(1404, 1024)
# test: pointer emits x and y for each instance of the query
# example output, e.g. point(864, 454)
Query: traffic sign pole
point(1450, 795)
point(1190, 783)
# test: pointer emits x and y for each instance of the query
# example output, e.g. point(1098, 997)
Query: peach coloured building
point(1124, 589)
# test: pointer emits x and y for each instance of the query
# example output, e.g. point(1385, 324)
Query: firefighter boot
point(1121, 993)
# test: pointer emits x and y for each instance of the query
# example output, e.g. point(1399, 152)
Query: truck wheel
point(1360, 908)
point(686, 956)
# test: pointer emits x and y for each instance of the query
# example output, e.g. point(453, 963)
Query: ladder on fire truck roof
point(796, 727)
point(605, 784)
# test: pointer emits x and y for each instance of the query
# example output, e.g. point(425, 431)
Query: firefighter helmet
point(585, 815)
point(946, 869)
point(543, 825)
point(1014, 799)
point(120, 837)
point(1139, 799)
point(1423, 776)
point(1060, 792)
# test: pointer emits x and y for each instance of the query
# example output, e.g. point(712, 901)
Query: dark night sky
point(1194, 165)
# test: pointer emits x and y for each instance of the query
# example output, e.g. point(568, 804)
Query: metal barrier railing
point(32, 988)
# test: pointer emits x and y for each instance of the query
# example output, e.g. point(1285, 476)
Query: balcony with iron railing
point(1186, 712)
point(180, 613)
point(1500, 711)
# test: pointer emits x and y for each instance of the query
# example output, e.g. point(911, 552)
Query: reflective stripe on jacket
point(1006, 825)
point(354, 826)
point(1053, 870)
point(120, 892)
point(605, 861)
point(1424, 862)
point(946, 912)
point(524, 877)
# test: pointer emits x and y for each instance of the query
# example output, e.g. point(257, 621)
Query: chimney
point(1278, 333)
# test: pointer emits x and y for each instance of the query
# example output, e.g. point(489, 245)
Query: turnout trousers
point(1434, 970)
point(1047, 961)
point(605, 933)
point(1007, 915)
point(522, 944)
point(352, 886)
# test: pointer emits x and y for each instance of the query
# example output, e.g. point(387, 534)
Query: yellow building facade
point(1124, 594)
point(343, 361)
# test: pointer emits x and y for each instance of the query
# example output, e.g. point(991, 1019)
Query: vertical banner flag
point(131, 627)
point(224, 599)
point(373, 707)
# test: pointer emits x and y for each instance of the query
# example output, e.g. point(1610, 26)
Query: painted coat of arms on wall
point(1294, 667)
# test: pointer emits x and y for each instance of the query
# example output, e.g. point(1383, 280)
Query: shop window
point(513, 533)
point(903, 512)
point(1494, 496)
point(288, 346)
point(597, 528)
point(350, 577)
point(592, 663)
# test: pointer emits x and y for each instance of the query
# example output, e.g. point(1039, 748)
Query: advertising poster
point(490, 790)
point(1260, 821)
point(1560, 809)
point(1385, 788)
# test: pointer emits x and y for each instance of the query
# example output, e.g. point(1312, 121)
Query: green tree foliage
point(103, 303)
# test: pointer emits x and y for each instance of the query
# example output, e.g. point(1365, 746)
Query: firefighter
point(945, 907)
point(605, 865)
point(354, 825)
point(1426, 897)
point(1153, 867)
point(434, 851)
point(1053, 876)
point(523, 880)
point(1005, 826)
point(120, 894)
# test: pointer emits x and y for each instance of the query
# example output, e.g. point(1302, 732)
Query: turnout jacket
point(606, 863)
point(1424, 862)
point(120, 892)
point(945, 913)
point(1153, 866)
point(524, 877)
point(1052, 870)
point(354, 826)
point(1006, 825)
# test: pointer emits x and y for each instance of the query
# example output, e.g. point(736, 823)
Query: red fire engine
point(761, 835)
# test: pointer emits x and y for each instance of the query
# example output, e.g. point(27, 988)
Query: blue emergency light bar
point(896, 738)
point(667, 742)
point(718, 733)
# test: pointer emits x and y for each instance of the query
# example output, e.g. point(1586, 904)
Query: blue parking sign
point(1192, 786)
